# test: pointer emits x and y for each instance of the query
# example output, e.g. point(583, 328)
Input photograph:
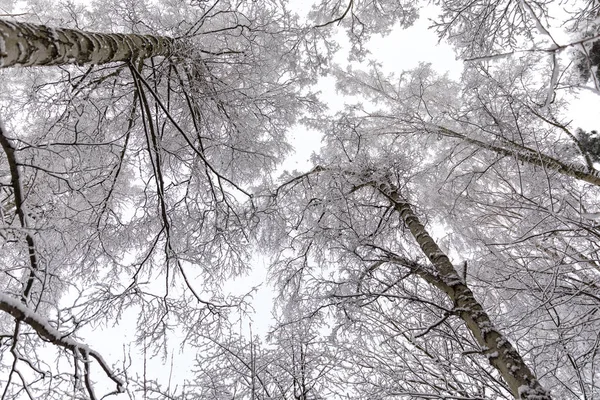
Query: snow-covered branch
point(47, 332)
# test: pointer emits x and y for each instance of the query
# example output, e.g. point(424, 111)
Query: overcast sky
point(401, 50)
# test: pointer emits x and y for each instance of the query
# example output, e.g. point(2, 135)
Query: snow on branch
point(46, 331)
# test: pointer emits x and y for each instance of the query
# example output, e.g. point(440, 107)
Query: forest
point(442, 241)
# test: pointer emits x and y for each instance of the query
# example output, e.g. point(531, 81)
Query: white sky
point(305, 142)
point(401, 50)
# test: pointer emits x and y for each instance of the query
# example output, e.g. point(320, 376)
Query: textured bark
point(500, 352)
point(529, 156)
point(25, 44)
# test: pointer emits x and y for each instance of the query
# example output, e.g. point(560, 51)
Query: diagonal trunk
point(25, 44)
point(529, 156)
point(500, 352)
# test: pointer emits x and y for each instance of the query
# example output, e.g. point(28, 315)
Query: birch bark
point(528, 155)
point(25, 44)
point(500, 352)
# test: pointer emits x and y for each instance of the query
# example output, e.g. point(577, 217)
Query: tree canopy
point(444, 243)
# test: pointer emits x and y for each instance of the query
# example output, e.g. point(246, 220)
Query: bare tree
point(443, 246)
point(125, 177)
point(295, 363)
point(354, 226)
point(488, 31)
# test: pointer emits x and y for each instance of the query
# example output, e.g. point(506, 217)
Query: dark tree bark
point(25, 44)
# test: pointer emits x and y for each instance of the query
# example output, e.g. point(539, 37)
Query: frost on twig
point(47, 332)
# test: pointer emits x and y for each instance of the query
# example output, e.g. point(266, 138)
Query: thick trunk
point(24, 44)
point(500, 352)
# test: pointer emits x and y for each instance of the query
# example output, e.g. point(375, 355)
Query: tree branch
point(44, 330)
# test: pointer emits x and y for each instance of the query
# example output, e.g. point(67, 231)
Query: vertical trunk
point(500, 352)
point(28, 44)
point(19, 199)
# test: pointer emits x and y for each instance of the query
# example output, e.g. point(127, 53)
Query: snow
point(529, 393)
point(31, 318)
point(21, 49)
point(523, 390)
point(553, 81)
point(53, 34)
point(45, 330)
point(538, 24)
point(593, 216)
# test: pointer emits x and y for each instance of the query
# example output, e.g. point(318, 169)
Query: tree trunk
point(500, 352)
point(529, 156)
point(25, 44)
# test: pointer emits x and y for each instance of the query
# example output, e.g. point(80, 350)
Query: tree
point(493, 161)
point(38, 45)
point(295, 363)
point(354, 227)
point(444, 245)
point(506, 29)
point(124, 179)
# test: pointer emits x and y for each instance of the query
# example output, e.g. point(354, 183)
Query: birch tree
point(351, 226)
point(516, 185)
point(522, 229)
point(124, 170)
point(443, 246)
point(493, 162)
point(27, 45)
